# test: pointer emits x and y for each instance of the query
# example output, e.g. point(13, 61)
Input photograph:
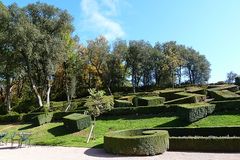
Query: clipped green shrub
point(227, 105)
point(43, 118)
point(136, 142)
point(76, 122)
point(208, 139)
point(127, 98)
point(122, 103)
point(143, 94)
point(11, 118)
point(220, 95)
point(142, 110)
point(150, 101)
point(195, 111)
point(183, 100)
point(231, 131)
point(205, 144)
point(169, 94)
point(197, 90)
point(232, 88)
point(198, 97)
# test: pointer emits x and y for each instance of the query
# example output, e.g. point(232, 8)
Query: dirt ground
point(73, 153)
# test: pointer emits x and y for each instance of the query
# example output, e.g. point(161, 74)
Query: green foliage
point(169, 94)
point(97, 103)
point(42, 118)
point(11, 117)
point(150, 101)
point(142, 110)
point(220, 95)
point(205, 144)
point(76, 122)
point(227, 105)
point(195, 111)
point(136, 142)
point(199, 97)
point(183, 100)
point(122, 103)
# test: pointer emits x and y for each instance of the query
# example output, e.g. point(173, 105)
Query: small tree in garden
point(97, 103)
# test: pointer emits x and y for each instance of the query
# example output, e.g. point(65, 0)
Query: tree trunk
point(48, 94)
point(40, 103)
point(8, 94)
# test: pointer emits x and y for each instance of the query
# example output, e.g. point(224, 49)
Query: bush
point(11, 117)
point(76, 122)
point(198, 97)
point(189, 99)
point(136, 142)
point(169, 94)
point(232, 131)
point(150, 101)
point(42, 118)
point(232, 88)
point(194, 112)
point(205, 144)
point(226, 105)
point(122, 103)
point(209, 139)
point(58, 116)
point(220, 95)
point(137, 110)
point(127, 98)
point(196, 90)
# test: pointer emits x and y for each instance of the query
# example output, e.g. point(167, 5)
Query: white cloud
point(98, 17)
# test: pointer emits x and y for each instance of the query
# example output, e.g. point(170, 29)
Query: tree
point(134, 60)
point(97, 103)
point(197, 68)
point(39, 30)
point(115, 73)
point(97, 51)
point(231, 76)
point(172, 59)
point(10, 62)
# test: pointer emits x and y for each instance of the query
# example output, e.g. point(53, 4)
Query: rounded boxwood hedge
point(136, 142)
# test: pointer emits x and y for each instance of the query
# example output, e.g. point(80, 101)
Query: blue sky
point(210, 26)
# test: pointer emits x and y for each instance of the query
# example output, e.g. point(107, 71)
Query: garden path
point(74, 153)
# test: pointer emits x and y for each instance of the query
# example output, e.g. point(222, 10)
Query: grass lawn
point(55, 133)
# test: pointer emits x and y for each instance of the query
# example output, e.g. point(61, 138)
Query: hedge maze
point(190, 104)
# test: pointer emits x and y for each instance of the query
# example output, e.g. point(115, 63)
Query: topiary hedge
point(150, 101)
point(183, 100)
point(198, 97)
point(205, 144)
point(208, 139)
point(11, 118)
point(220, 95)
point(137, 110)
point(76, 122)
point(136, 142)
point(170, 94)
point(122, 103)
point(195, 111)
point(226, 105)
point(42, 118)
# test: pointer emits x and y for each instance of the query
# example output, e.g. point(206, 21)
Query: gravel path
point(74, 153)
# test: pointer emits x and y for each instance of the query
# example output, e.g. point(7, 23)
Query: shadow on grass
point(174, 123)
point(30, 126)
point(59, 131)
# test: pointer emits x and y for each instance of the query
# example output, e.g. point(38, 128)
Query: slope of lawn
point(55, 133)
